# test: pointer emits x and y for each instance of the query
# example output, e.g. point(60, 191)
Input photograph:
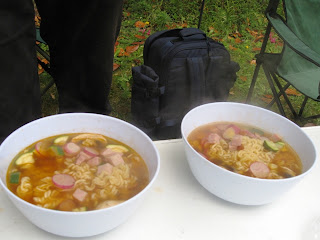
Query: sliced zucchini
point(25, 158)
point(80, 209)
point(61, 140)
point(269, 145)
point(14, 177)
point(57, 150)
point(280, 145)
point(255, 130)
point(117, 148)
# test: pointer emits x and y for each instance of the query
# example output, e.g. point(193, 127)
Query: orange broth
point(126, 179)
point(216, 142)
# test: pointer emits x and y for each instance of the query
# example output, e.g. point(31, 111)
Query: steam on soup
point(246, 150)
point(77, 172)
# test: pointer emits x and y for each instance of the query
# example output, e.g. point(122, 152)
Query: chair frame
point(45, 55)
point(271, 76)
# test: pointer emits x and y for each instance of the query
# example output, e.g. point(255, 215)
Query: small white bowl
point(79, 224)
point(234, 187)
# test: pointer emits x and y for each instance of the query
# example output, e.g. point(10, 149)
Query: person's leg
point(19, 90)
point(81, 37)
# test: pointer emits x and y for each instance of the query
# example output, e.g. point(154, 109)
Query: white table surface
point(177, 207)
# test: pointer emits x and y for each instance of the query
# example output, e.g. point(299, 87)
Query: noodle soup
point(246, 150)
point(77, 172)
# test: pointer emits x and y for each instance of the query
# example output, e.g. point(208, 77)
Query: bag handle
point(192, 34)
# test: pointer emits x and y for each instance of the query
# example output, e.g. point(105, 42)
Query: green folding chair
point(299, 62)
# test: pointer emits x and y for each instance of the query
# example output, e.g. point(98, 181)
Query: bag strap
point(188, 34)
point(197, 82)
point(196, 72)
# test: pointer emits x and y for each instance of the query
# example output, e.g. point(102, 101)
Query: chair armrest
point(292, 40)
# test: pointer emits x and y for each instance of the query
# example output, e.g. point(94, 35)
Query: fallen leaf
point(184, 25)
point(131, 49)
point(138, 43)
point(253, 62)
point(212, 29)
point(40, 69)
point(45, 61)
point(248, 21)
point(238, 40)
point(236, 34)
point(252, 32)
point(140, 36)
point(37, 21)
point(121, 52)
point(115, 66)
point(268, 96)
point(232, 48)
point(139, 24)
point(217, 39)
point(293, 92)
point(256, 49)
point(259, 38)
point(172, 26)
point(243, 78)
point(52, 96)
point(266, 100)
point(137, 61)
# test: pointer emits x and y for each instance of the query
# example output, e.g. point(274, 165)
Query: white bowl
point(234, 187)
point(79, 224)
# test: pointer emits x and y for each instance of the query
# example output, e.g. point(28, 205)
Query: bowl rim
point(203, 159)
point(128, 201)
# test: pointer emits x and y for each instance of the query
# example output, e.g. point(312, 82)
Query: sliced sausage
point(64, 181)
point(91, 151)
point(71, 149)
point(259, 169)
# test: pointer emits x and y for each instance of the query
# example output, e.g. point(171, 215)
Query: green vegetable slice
point(57, 150)
point(255, 130)
point(269, 145)
point(25, 158)
point(280, 145)
point(15, 177)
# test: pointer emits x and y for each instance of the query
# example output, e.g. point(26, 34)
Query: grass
point(239, 25)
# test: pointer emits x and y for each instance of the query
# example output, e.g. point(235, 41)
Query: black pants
point(80, 35)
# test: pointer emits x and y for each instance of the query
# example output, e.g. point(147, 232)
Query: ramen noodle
point(246, 150)
point(77, 172)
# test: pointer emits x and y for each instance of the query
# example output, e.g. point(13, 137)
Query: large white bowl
point(79, 224)
point(234, 187)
